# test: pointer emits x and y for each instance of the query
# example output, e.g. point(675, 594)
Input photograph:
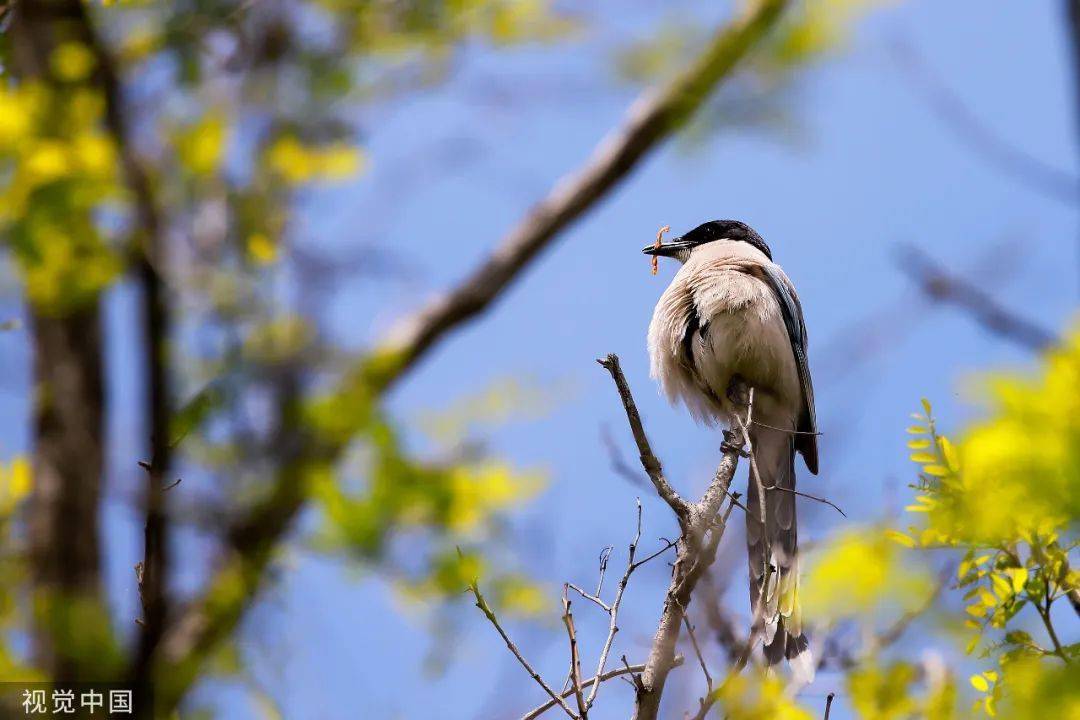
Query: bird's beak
point(667, 249)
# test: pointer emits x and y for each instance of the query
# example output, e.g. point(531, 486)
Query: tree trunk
point(67, 464)
point(68, 422)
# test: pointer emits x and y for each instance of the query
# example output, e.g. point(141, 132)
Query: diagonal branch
point(940, 285)
point(648, 459)
point(490, 615)
point(652, 118)
point(211, 618)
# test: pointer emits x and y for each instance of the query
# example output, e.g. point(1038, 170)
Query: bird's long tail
point(773, 551)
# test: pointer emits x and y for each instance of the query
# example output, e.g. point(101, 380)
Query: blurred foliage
point(862, 573)
point(1001, 501)
point(758, 99)
point(758, 696)
point(242, 113)
point(58, 169)
point(14, 487)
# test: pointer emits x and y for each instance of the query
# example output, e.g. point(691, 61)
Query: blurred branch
point(941, 286)
point(69, 408)
point(842, 658)
point(651, 119)
point(970, 130)
point(723, 626)
point(210, 618)
point(618, 463)
point(152, 572)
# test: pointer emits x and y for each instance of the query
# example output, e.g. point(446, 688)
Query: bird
point(729, 323)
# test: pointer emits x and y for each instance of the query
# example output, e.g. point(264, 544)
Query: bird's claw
point(738, 391)
point(729, 444)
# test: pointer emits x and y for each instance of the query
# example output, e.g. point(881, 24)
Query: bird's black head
point(707, 232)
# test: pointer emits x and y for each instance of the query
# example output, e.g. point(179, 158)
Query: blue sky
point(453, 168)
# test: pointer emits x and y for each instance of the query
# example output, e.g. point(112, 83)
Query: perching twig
point(490, 615)
point(828, 704)
point(648, 459)
point(766, 574)
point(702, 528)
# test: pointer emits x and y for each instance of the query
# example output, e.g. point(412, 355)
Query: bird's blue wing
point(806, 441)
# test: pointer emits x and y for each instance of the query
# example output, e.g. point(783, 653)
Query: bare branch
point(481, 603)
point(648, 459)
point(941, 286)
point(649, 120)
point(967, 127)
point(808, 496)
point(828, 704)
point(592, 598)
point(575, 660)
point(610, 674)
point(697, 650)
point(613, 624)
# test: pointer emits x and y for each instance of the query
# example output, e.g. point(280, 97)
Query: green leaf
point(194, 412)
point(979, 683)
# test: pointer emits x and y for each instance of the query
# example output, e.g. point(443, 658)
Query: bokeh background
point(939, 131)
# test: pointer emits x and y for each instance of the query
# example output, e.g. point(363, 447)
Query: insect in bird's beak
point(667, 249)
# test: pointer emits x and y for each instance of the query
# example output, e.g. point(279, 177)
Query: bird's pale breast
point(737, 327)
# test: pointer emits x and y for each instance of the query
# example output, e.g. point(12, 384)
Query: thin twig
point(591, 598)
point(785, 430)
point(828, 704)
point(610, 674)
point(481, 603)
point(613, 624)
point(667, 546)
point(766, 571)
point(808, 496)
point(605, 555)
point(1048, 623)
point(575, 659)
point(697, 650)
